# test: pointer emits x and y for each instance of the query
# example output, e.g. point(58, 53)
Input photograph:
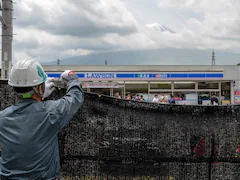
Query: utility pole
point(7, 36)
point(213, 58)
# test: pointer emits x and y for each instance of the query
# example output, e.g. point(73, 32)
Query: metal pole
point(124, 90)
point(149, 87)
point(220, 92)
point(232, 88)
point(7, 33)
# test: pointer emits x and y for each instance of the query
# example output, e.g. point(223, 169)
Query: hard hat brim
point(26, 85)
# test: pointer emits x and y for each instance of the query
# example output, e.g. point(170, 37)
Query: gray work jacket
point(29, 134)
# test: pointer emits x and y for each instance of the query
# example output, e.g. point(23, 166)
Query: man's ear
point(41, 90)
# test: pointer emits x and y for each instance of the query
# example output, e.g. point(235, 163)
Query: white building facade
point(192, 83)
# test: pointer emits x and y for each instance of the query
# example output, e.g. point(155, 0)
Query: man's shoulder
point(5, 111)
point(49, 105)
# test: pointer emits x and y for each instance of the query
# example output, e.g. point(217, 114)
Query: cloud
point(85, 18)
point(194, 24)
point(76, 52)
point(45, 46)
point(50, 30)
point(221, 17)
point(188, 38)
point(195, 5)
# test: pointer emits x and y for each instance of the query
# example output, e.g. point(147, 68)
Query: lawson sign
point(101, 75)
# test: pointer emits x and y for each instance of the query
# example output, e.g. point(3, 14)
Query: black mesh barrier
point(117, 139)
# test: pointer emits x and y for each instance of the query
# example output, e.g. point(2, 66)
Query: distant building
point(187, 81)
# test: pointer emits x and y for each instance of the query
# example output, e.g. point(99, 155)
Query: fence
point(117, 139)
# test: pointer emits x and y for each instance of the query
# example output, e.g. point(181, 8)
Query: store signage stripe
point(81, 75)
point(142, 75)
point(179, 75)
point(197, 75)
point(57, 75)
point(214, 75)
point(126, 75)
point(169, 75)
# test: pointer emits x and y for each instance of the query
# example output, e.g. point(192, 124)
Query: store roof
point(137, 68)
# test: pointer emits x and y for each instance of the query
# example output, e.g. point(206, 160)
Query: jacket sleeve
point(63, 109)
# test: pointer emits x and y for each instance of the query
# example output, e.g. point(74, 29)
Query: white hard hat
point(27, 73)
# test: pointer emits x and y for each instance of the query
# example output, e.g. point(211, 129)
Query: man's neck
point(36, 97)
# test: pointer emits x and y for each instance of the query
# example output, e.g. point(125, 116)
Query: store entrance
point(108, 91)
point(103, 91)
point(104, 88)
point(205, 97)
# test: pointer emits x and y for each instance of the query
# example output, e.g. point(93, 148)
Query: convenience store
point(193, 82)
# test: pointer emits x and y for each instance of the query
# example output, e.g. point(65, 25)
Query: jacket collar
point(26, 101)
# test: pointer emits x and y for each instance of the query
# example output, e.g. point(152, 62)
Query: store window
point(134, 88)
point(152, 95)
point(118, 92)
point(84, 89)
point(119, 89)
point(179, 95)
point(138, 87)
point(208, 85)
point(225, 90)
point(103, 87)
point(184, 85)
point(104, 91)
point(205, 97)
point(160, 85)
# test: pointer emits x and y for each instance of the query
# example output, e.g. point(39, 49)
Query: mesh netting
point(118, 139)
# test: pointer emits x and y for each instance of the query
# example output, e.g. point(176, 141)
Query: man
point(141, 98)
point(29, 130)
point(155, 99)
point(117, 95)
point(137, 98)
point(163, 99)
point(171, 100)
point(128, 97)
point(214, 100)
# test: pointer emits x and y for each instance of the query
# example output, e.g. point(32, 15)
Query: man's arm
point(65, 108)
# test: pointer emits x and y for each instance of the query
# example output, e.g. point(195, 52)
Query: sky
point(50, 30)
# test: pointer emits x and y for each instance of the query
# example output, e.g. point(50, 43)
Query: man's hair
point(22, 89)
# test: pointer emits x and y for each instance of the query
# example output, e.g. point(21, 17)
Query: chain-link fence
point(117, 139)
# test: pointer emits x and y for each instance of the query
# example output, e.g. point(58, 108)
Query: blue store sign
point(145, 75)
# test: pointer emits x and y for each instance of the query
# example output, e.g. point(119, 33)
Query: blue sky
point(49, 30)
